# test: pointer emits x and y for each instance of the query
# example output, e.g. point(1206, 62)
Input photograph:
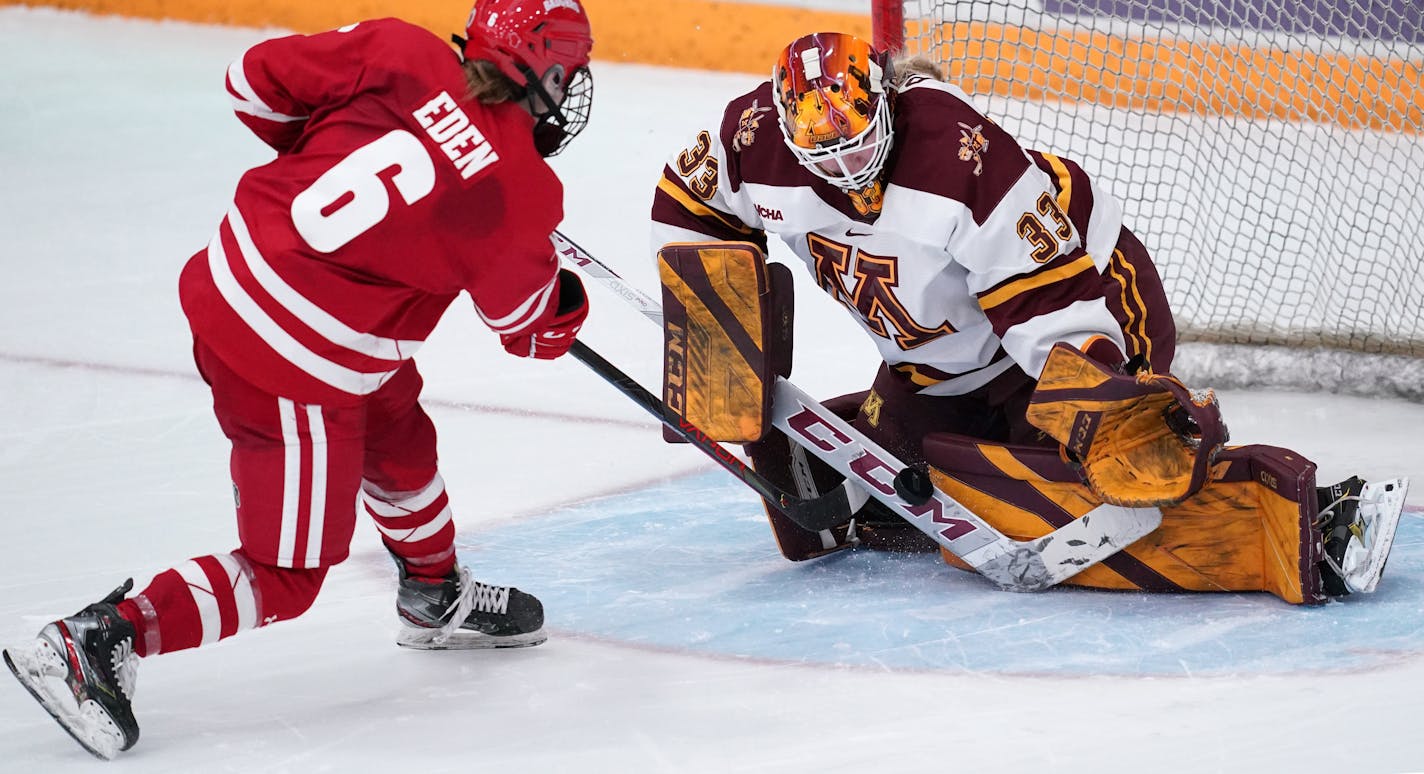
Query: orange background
point(1154, 74)
point(694, 34)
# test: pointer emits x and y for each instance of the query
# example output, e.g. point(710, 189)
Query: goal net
point(1269, 154)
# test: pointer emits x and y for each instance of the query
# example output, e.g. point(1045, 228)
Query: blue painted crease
point(691, 566)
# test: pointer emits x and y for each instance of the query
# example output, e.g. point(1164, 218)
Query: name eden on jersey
point(463, 142)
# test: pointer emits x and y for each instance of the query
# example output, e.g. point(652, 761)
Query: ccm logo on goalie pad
point(880, 476)
point(1085, 427)
point(675, 366)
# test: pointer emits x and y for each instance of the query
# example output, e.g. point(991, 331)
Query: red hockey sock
point(415, 526)
point(208, 598)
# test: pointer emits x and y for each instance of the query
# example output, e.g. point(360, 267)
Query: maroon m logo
point(874, 299)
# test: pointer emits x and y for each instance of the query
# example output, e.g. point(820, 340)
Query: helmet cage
point(559, 122)
point(831, 88)
point(877, 136)
point(527, 41)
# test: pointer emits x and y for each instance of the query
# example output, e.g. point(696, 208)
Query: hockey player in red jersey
point(1026, 337)
point(407, 172)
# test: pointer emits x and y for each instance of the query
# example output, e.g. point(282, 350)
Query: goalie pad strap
point(726, 336)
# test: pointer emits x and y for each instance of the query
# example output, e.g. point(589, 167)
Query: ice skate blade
point(88, 725)
point(424, 639)
point(1386, 499)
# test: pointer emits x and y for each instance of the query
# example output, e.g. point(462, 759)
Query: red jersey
point(391, 192)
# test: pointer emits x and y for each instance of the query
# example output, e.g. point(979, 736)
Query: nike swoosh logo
point(850, 232)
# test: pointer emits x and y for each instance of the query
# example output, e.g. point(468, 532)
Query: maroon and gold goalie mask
point(835, 115)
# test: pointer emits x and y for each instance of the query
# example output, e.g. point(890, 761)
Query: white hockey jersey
point(971, 264)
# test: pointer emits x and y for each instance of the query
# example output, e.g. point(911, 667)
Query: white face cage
point(875, 139)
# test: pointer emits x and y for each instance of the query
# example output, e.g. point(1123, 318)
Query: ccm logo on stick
point(873, 471)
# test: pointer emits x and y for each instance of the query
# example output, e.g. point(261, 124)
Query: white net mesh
point(1270, 154)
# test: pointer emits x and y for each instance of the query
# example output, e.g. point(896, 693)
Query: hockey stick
point(828, 510)
point(1011, 564)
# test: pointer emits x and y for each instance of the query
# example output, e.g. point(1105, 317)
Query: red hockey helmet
point(835, 112)
point(526, 40)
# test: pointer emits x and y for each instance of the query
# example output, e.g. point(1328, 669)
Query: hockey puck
point(913, 486)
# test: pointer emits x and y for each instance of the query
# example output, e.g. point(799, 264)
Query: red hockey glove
point(552, 337)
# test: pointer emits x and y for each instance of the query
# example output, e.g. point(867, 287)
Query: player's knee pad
point(727, 323)
point(1251, 528)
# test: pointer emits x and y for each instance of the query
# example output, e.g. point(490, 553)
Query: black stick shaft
point(820, 513)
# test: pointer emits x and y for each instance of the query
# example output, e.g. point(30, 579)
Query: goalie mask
point(544, 48)
point(835, 112)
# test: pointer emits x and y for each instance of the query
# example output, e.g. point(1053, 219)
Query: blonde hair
point(907, 66)
point(487, 85)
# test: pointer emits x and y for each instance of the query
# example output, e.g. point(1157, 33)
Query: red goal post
point(1270, 155)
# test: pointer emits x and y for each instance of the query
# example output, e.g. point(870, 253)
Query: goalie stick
point(828, 510)
point(1012, 565)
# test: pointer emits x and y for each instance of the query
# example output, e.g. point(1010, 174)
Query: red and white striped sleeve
point(525, 312)
point(276, 85)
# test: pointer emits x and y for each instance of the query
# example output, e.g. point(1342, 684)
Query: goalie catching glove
point(1139, 439)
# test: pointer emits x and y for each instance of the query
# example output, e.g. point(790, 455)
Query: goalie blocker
point(727, 321)
point(727, 335)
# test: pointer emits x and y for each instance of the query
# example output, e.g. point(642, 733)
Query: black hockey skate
point(92, 653)
point(458, 612)
point(1357, 522)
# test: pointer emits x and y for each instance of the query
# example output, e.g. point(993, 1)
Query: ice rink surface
point(680, 641)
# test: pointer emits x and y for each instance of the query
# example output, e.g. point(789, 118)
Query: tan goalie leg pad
point(726, 336)
point(1250, 529)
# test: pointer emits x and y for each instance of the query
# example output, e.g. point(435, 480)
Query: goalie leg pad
point(1251, 529)
point(792, 468)
point(726, 336)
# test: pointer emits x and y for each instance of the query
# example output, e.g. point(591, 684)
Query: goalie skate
point(1372, 534)
point(1359, 522)
point(81, 669)
point(460, 613)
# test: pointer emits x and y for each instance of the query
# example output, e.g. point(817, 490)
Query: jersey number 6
point(351, 197)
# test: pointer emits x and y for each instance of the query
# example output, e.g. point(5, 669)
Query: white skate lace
point(125, 664)
point(473, 596)
point(1329, 510)
point(459, 611)
point(1321, 520)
